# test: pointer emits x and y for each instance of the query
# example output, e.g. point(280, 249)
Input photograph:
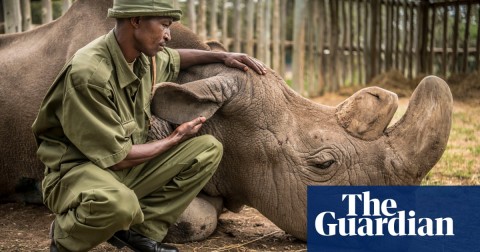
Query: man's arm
point(191, 57)
point(141, 153)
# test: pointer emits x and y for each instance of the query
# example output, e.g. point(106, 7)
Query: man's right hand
point(143, 152)
point(187, 130)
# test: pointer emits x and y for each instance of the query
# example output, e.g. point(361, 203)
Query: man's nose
point(166, 35)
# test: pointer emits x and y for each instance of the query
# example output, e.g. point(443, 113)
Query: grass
point(460, 163)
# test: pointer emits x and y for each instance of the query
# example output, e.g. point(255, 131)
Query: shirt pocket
point(129, 127)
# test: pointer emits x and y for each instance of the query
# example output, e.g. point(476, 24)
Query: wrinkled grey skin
point(276, 142)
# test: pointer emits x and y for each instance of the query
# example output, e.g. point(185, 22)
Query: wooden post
point(267, 32)
point(202, 20)
point(388, 35)
point(276, 36)
point(237, 36)
point(13, 16)
point(299, 45)
point(351, 53)
point(431, 60)
point(66, 5)
point(334, 80)
point(260, 53)
point(372, 57)
point(225, 41)
point(360, 52)
point(397, 35)
point(455, 38)
point(467, 38)
point(46, 11)
point(445, 33)
point(192, 16)
point(422, 36)
point(345, 69)
point(249, 29)
point(283, 35)
point(319, 30)
point(477, 54)
point(379, 37)
point(26, 15)
point(411, 40)
point(405, 37)
point(213, 19)
point(175, 4)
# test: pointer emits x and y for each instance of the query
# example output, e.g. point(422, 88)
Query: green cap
point(137, 8)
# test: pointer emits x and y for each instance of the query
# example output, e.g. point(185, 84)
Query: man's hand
point(244, 62)
point(192, 57)
point(187, 130)
point(143, 152)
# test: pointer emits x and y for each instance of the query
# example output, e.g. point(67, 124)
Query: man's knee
point(119, 206)
point(212, 145)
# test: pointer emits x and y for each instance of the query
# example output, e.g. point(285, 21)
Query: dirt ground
point(25, 227)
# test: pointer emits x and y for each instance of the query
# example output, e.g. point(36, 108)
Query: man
point(102, 180)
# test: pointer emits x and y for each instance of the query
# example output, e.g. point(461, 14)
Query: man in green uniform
point(102, 180)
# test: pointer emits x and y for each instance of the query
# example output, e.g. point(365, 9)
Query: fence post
point(422, 36)
point(192, 16)
point(12, 15)
point(26, 15)
point(66, 5)
point(213, 19)
point(299, 45)
point(202, 20)
point(46, 11)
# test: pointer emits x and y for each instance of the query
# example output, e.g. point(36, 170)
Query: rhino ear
point(216, 46)
point(181, 103)
point(367, 113)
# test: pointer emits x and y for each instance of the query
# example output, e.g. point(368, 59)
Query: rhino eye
point(325, 165)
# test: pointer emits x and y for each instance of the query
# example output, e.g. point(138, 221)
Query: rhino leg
point(197, 222)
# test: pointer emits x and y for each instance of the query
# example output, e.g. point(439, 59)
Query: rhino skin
point(276, 142)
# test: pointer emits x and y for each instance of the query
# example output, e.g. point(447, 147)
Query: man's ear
point(182, 103)
point(135, 21)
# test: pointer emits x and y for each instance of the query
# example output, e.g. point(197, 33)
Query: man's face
point(152, 34)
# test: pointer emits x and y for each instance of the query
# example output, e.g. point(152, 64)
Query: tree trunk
point(26, 15)
point(283, 35)
point(299, 45)
point(46, 11)
point(13, 16)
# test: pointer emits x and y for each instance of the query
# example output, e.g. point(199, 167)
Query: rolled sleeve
point(91, 122)
point(168, 64)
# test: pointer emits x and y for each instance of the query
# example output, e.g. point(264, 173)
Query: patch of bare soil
point(25, 228)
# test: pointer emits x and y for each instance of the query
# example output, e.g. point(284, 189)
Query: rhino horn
point(419, 138)
point(367, 113)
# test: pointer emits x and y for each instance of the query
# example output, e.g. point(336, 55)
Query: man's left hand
point(244, 62)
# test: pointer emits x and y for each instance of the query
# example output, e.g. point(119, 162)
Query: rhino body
point(276, 142)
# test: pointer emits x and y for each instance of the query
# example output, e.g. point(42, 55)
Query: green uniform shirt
point(97, 108)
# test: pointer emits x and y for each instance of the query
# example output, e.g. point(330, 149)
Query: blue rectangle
point(393, 218)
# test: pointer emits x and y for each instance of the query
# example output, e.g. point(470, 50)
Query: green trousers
point(92, 203)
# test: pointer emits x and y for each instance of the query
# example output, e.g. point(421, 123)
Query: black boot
point(138, 242)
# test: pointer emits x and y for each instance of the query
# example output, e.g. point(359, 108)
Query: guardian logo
point(396, 218)
point(379, 217)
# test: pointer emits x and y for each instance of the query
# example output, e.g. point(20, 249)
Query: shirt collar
point(124, 74)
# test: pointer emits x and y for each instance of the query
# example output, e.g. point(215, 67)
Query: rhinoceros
point(276, 142)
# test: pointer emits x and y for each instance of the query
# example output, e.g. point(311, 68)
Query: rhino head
point(277, 143)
